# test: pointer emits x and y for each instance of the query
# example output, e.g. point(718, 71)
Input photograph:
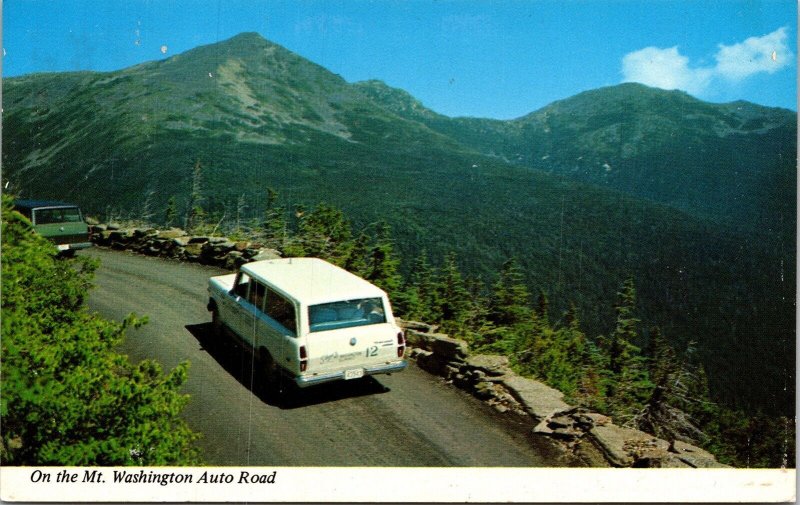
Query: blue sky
point(487, 58)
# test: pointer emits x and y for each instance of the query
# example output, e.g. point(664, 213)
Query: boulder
point(485, 390)
point(429, 362)
point(113, 226)
point(172, 233)
point(266, 254)
point(418, 339)
point(489, 364)
point(451, 349)
point(414, 325)
point(139, 233)
point(181, 241)
point(620, 445)
point(198, 240)
point(217, 240)
point(193, 250)
point(538, 400)
point(695, 456)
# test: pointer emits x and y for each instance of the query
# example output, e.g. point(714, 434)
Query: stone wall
point(178, 244)
point(589, 435)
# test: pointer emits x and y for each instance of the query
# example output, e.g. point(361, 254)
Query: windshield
point(58, 215)
point(346, 314)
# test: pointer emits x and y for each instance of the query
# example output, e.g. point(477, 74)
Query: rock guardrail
point(178, 244)
point(591, 436)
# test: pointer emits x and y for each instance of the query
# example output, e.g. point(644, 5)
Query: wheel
point(268, 376)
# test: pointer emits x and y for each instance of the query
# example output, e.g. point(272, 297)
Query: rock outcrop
point(589, 435)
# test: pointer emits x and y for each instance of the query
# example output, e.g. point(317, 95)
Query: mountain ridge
point(256, 116)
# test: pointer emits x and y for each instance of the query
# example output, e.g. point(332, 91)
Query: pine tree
point(322, 233)
point(510, 299)
point(422, 292)
point(627, 382)
point(171, 212)
point(621, 349)
point(241, 207)
point(275, 226)
point(453, 297)
point(357, 259)
point(195, 214)
point(383, 264)
point(543, 307)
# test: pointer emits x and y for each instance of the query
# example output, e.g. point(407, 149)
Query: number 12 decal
point(372, 350)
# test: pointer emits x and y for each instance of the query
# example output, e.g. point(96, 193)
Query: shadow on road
point(239, 362)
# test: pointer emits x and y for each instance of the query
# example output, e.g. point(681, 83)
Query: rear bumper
point(311, 380)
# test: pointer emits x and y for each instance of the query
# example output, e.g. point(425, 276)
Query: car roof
point(35, 204)
point(312, 280)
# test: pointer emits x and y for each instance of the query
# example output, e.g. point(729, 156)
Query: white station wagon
point(308, 319)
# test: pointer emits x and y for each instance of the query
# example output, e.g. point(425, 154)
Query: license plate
point(355, 373)
point(63, 247)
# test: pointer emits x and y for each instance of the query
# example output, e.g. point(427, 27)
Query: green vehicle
point(60, 222)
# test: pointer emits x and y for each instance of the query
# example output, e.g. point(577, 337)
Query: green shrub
point(68, 398)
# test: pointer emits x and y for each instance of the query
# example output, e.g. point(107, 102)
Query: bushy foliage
point(68, 397)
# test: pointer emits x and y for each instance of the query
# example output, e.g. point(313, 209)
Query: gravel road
point(407, 419)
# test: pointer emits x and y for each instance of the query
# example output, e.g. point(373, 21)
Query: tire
point(269, 376)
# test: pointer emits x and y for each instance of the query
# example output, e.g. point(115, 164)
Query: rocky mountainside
point(733, 163)
point(668, 210)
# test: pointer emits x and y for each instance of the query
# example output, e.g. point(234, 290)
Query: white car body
point(309, 320)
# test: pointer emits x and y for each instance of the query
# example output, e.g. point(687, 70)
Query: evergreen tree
point(275, 226)
point(383, 263)
point(510, 299)
point(453, 297)
point(422, 302)
point(543, 307)
point(241, 207)
point(627, 386)
point(195, 214)
point(322, 233)
point(357, 259)
point(171, 212)
point(621, 350)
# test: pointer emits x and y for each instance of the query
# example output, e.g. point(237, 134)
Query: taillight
point(401, 344)
point(303, 358)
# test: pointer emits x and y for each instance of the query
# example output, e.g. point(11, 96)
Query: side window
point(281, 310)
point(257, 293)
point(242, 282)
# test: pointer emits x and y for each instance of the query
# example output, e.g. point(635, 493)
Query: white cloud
point(664, 68)
point(754, 55)
point(668, 69)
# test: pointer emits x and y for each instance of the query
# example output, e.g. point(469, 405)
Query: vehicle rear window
point(346, 314)
point(61, 215)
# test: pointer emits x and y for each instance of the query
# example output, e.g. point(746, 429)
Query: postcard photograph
point(384, 250)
